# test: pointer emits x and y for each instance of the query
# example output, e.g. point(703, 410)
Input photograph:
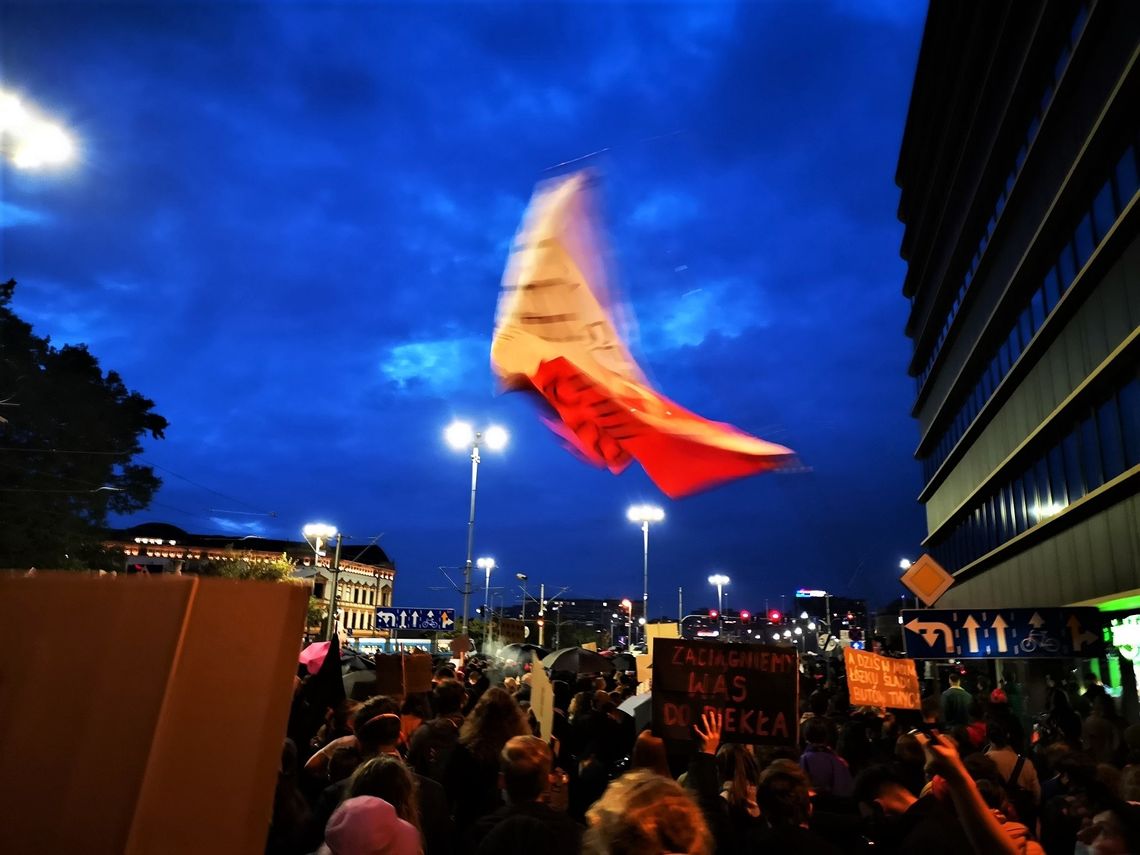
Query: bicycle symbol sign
point(1002, 633)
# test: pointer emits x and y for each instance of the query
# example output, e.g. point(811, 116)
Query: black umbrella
point(521, 652)
point(624, 662)
point(577, 660)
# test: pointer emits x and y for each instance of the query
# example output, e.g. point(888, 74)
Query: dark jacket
point(531, 827)
point(472, 788)
point(956, 706)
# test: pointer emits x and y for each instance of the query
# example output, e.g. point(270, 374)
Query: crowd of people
point(464, 770)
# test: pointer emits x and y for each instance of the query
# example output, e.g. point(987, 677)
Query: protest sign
point(590, 645)
point(644, 664)
point(755, 686)
point(399, 674)
point(541, 697)
point(879, 681)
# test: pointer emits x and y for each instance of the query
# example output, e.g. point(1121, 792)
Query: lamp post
point(645, 514)
point(486, 565)
point(627, 605)
point(461, 436)
point(720, 580)
point(522, 616)
point(904, 565)
point(322, 532)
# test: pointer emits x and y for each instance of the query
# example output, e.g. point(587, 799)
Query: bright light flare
point(321, 530)
point(496, 438)
point(718, 579)
point(904, 564)
point(42, 144)
point(1043, 512)
point(14, 117)
point(459, 435)
point(645, 513)
point(485, 563)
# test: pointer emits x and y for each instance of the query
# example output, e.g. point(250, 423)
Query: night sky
point(288, 224)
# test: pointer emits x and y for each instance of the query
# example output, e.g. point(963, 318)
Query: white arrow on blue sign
point(1041, 633)
point(426, 620)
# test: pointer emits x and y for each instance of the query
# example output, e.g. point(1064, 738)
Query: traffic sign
point(1043, 633)
point(926, 579)
point(427, 620)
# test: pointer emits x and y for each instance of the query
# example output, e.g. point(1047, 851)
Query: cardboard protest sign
point(399, 674)
point(644, 664)
point(541, 697)
point(590, 645)
point(417, 673)
point(755, 686)
point(879, 681)
point(654, 631)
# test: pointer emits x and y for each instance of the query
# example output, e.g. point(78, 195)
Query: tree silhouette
point(67, 441)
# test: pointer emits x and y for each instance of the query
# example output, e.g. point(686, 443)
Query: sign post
point(422, 619)
point(755, 686)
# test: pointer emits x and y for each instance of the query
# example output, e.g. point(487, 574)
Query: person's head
point(931, 709)
point(643, 813)
point(1130, 783)
point(494, 720)
point(817, 702)
point(737, 763)
point(987, 778)
point(996, 734)
point(955, 678)
point(909, 753)
point(784, 796)
point(1077, 770)
point(367, 825)
point(649, 753)
point(1115, 830)
point(387, 778)
point(816, 732)
point(374, 706)
point(1060, 701)
point(880, 790)
point(524, 769)
point(444, 672)
point(511, 685)
point(582, 703)
point(449, 696)
point(378, 734)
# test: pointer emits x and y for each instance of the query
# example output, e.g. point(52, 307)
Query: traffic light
point(774, 616)
point(746, 616)
point(713, 613)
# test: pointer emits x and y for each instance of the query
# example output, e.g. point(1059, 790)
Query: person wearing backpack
point(1018, 773)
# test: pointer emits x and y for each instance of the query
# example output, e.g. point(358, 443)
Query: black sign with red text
point(755, 686)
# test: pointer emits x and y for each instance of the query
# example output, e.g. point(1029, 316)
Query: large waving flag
point(555, 334)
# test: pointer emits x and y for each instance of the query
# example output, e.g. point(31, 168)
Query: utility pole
point(522, 578)
point(680, 608)
point(542, 615)
point(335, 584)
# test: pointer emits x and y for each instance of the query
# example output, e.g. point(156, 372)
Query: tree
point(244, 565)
point(69, 434)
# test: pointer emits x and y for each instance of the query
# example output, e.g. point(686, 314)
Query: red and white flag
point(555, 334)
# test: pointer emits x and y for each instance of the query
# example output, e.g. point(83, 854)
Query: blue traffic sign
point(1044, 633)
point(429, 620)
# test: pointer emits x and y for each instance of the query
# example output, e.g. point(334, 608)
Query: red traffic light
point(774, 616)
point(746, 615)
point(713, 612)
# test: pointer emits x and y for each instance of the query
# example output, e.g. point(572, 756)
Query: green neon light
point(1121, 604)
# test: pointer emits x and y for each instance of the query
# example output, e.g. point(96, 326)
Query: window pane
point(1083, 240)
point(1090, 454)
point(1038, 308)
point(1032, 502)
point(1052, 290)
point(1130, 421)
point(1057, 476)
point(1025, 324)
point(1104, 211)
point(1111, 439)
point(1066, 267)
point(1126, 180)
point(1074, 480)
point(1041, 476)
point(1018, 506)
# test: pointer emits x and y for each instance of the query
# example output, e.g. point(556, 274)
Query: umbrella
point(639, 709)
point(313, 655)
point(577, 660)
point(352, 661)
point(359, 685)
point(624, 662)
point(520, 652)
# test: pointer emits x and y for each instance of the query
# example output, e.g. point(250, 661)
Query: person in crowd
point(992, 787)
point(827, 771)
point(374, 706)
point(385, 777)
point(956, 703)
point(1000, 710)
point(472, 772)
point(649, 753)
point(431, 745)
point(1114, 830)
point(910, 763)
point(643, 813)
point(1099, 735)
point(785, 804)
point(414, 712)
point(291, 830)
point(1016, 770)
point(1063, 717)
point(477, 683)
point(898, 821)
point(366, 825)
point(525, 823)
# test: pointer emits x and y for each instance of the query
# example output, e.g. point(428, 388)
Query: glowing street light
point(29, 141)
point(644, 515)
point(904, 563)
point(720, 580)
point(462, 436)
point(486, 565)
point(323, 533)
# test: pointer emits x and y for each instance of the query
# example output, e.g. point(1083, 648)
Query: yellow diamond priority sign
point(926, 579)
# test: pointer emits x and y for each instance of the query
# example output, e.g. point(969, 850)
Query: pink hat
point(366, 825)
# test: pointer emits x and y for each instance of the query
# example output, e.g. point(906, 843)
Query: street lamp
point(720, 580)
point(461, 436)
point(322, 532)
point(645, 514)
point(29, 141)
point(486, 565)
point(627, 605)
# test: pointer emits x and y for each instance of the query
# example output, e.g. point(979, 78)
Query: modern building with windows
point(1019, 194)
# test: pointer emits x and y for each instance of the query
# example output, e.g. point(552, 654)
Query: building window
point(319, 590)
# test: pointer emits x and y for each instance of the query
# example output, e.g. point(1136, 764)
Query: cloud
point(437, 367)
point(725, 307)
point(12, 214)
point(239, 526)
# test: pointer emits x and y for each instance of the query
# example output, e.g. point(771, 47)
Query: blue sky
point(288, 224)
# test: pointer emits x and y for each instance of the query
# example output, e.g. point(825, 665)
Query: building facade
point(1019, 194)
point(365, 581)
